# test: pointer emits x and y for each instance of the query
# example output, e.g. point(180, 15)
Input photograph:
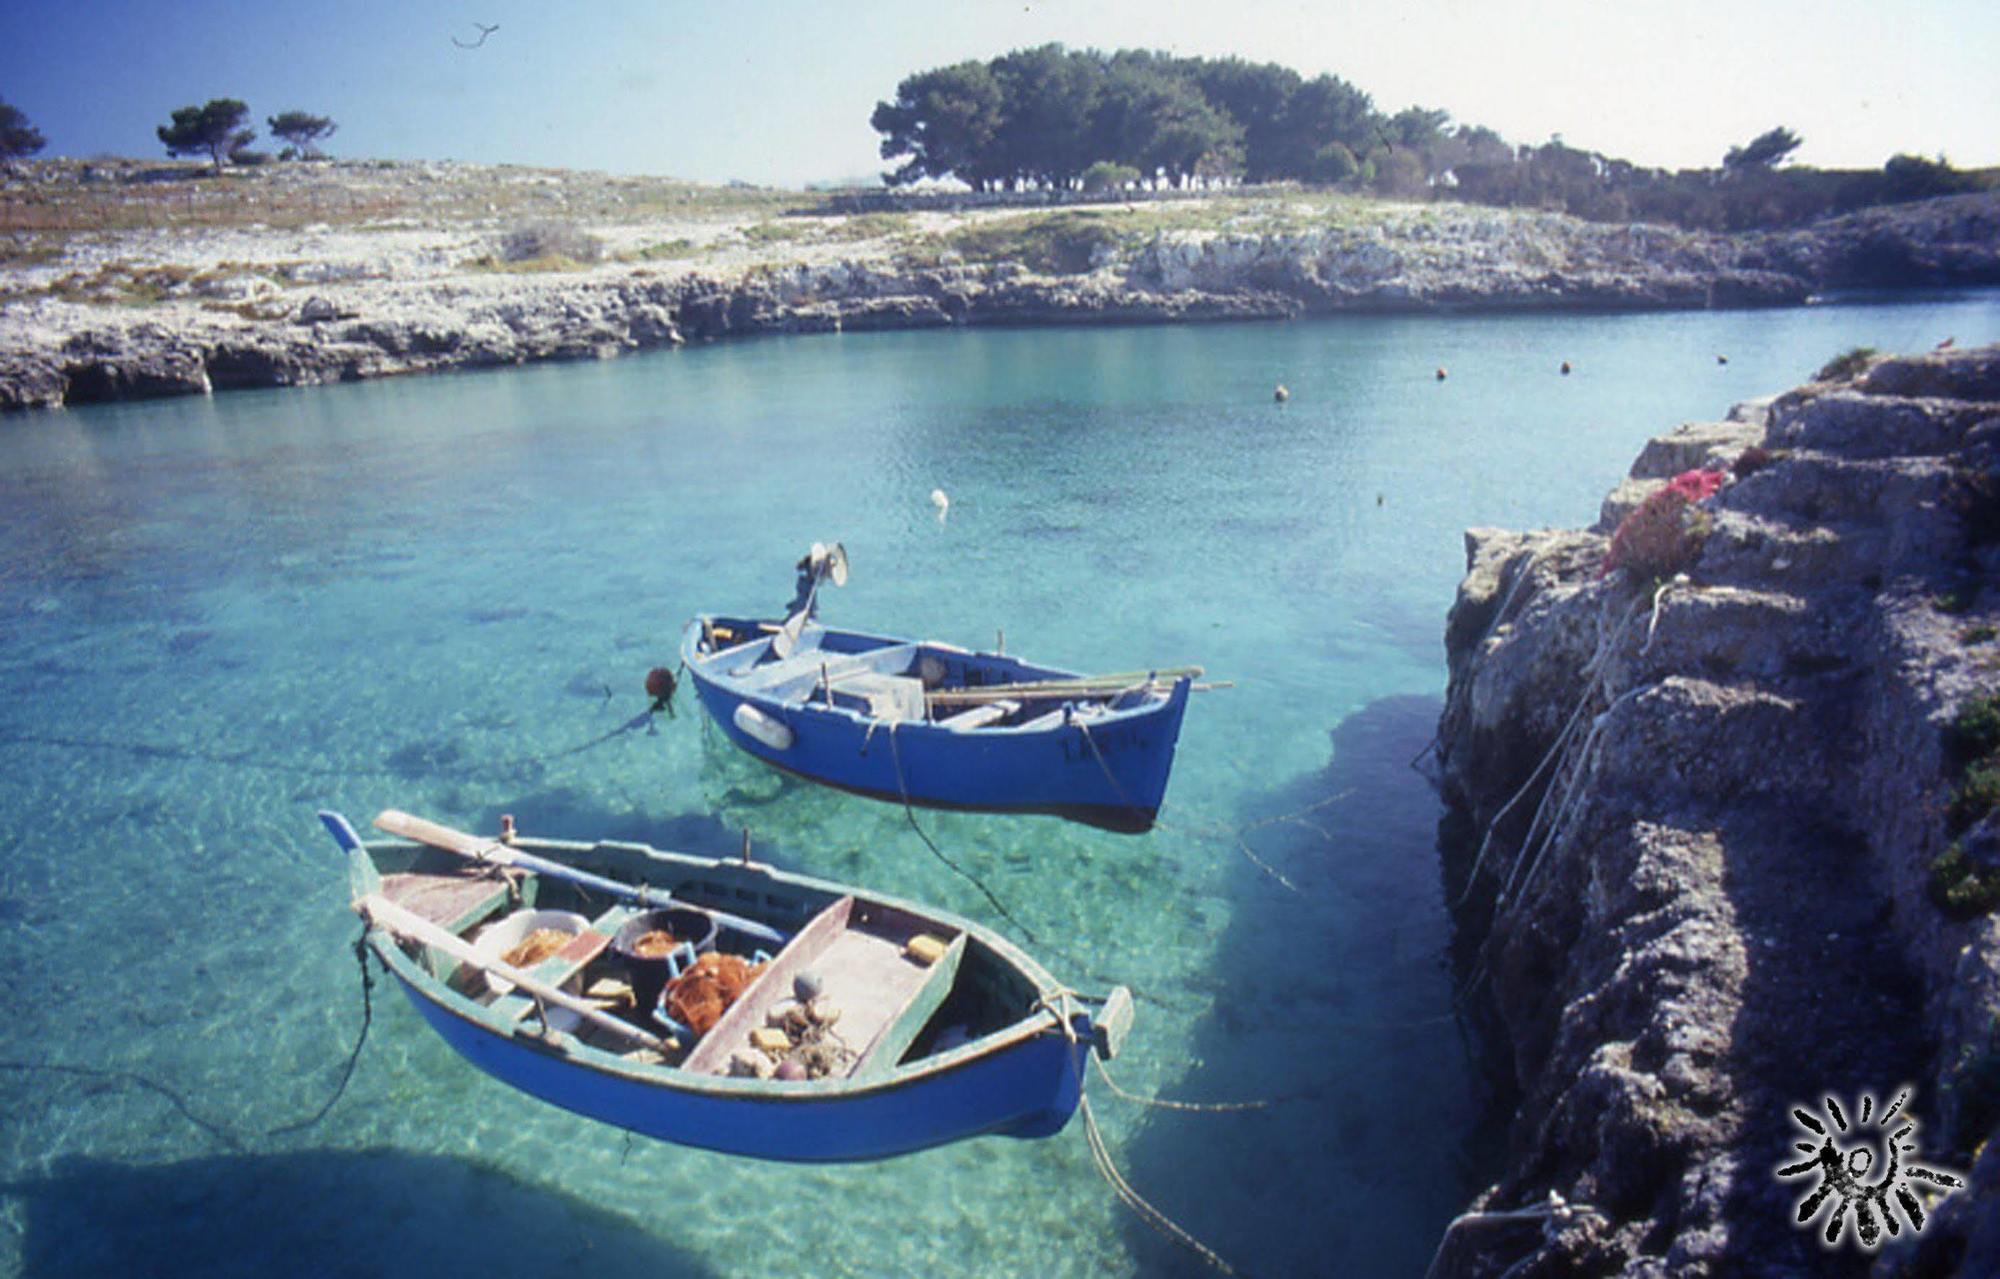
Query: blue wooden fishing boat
point(859, 1026)
point(937, 725)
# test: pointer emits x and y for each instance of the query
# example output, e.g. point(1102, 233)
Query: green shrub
point(667, 250)
point(1975, 730)
point(550, 241)
point(1979, 633)
point(1107, 176)
point(775, 232)
point(1961, 889)
point(869, 226)
point(1977, 795)
point(1051, 243)
point(1846, 366)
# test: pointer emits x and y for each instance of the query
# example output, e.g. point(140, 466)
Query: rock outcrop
point(183, 311)
point(1710, 814)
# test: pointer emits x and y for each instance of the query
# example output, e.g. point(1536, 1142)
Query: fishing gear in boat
point(912, 1027)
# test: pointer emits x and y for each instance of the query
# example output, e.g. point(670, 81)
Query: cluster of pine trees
point(1043, 117)
point(1059, 119)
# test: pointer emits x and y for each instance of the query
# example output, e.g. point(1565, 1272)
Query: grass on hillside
point(53, 200)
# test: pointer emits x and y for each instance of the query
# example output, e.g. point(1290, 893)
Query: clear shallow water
point(216, 616)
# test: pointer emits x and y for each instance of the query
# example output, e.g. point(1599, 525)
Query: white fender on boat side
point(766, 728)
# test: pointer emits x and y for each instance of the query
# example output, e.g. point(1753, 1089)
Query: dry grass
point(52, 200)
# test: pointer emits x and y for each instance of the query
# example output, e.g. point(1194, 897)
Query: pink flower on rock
point(1697, 485)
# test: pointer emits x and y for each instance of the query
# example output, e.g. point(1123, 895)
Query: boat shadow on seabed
point(320, 1212)
point(1335, 999)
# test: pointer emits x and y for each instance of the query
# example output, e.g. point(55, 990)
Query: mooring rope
point(896, 757)
point(1132, 1199)
point(179, 1102)
point(1057, 1005)
point(257, 760)
point(1572, 764)
point(360, 1041)
point(1591, 674)
point(1296, 817)
point(1552, 1205)
point(1195, 1107)
point(1241, 835)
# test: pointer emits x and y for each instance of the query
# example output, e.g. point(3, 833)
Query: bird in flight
point(484, 31)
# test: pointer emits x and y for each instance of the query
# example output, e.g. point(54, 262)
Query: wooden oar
point(495, 853)
point(383, 913)
point(1081, 686)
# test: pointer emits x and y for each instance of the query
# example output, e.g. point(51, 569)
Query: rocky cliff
point(1732, 852)
point(173, 308)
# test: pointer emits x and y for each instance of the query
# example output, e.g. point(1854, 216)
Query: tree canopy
point(1043, 117)
point(1061, 119)
point(301, 131)
point(18, 137)
point(214, 129)
point(1765, 151)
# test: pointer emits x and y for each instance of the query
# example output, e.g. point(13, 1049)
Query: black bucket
point(648, 973)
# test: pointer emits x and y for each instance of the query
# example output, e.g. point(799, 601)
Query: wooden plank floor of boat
point(453, 900)
point(872, 979)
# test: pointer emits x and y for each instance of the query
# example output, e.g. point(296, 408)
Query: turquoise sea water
point(218, 615)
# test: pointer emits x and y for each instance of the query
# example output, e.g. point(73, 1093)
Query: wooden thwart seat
point(885, 996)
point(979, 716)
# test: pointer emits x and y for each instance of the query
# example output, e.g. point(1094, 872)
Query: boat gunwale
point(1039, 1021)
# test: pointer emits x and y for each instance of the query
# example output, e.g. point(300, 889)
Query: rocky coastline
point(181, 308)
point(1710, 819)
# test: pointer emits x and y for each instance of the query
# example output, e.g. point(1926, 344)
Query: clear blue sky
point(779, 91)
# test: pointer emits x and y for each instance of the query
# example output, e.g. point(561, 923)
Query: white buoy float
point(763, 726)
point(942, 503)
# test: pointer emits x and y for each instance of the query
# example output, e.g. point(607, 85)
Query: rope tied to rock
point(1571, 756)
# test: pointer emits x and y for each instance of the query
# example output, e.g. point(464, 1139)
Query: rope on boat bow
point(1059, 1005)
point(367, 1020)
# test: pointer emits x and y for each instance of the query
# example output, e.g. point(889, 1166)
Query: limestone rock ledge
point(169, 309)
point(1704, 822)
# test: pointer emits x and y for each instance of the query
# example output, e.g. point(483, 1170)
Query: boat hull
point(1109, 772)
point(1028, 1088)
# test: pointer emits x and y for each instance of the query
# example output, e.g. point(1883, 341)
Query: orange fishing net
point(698, 997)
point(537, 946)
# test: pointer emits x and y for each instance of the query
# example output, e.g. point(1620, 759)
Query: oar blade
point(394, 821)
